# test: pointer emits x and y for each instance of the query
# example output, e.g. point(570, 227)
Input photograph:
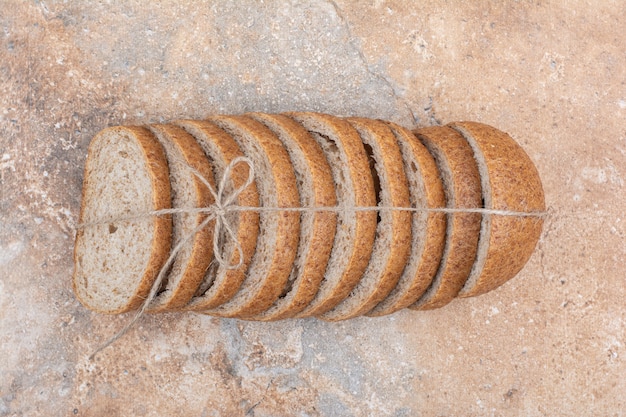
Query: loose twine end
point(224, 203)
point(217, 211)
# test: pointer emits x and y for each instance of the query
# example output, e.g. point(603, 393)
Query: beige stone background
point(552, 74)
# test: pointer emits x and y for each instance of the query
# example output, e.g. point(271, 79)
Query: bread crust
point(317, 244)
point(429, 229)
point(393, 236)
point(223, 149)
point(197, 260)
point(156, 165)
point(263, 287)
point(511, 183)
point(461, 181)
point(348, 140)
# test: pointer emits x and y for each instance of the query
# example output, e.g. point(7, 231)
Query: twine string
point(221, 207)
point(154, 289)
point(217, 211)
point(224, 203)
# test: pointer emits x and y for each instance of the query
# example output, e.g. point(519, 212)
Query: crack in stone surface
point(365, 62)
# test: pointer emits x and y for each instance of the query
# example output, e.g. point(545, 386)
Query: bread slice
point(354, 185)
point(221, 281)
point(461, 181)
point(188, 191)
point(279, 230)
point(392, 245)
point(510, 182)
point(317, 231)
point(428, 228)
point(117, 261)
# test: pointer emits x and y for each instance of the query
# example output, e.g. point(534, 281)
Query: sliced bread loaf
point(221, 281)
point(279, 233)
point(510, 182)
point(116, 261)
point(354, 186)
point(461, 181)
point(428, 228)
point(392, 245)
point(317, 230)
point(188, 191)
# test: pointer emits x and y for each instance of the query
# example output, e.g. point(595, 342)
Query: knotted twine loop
point(218, 211)
point(221, 207)
point(225, 203)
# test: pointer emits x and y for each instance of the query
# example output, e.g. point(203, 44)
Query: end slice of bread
point(221, 282)
point(354, 186)
point(428, 228)
point(392, 245)
point(461, 181)
point(116, 263)
point(188, 191)
point(510, 182)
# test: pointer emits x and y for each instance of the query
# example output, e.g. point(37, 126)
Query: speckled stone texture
point(552, 74)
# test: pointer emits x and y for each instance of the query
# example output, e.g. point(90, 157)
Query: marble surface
point(551, 73)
